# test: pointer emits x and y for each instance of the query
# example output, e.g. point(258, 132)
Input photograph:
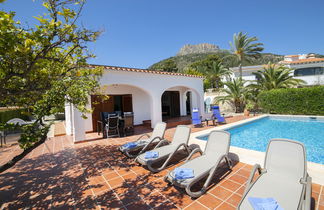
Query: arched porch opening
point(121, 98)
point(177, 103)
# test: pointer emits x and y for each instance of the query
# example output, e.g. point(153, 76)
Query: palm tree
point(236, 94)
point(275, 76)
point(216, 72)
point(244, 48)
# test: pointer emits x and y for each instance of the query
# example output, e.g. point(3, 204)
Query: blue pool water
point(256, 135)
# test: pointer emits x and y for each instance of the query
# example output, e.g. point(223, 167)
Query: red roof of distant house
point(291, 55)
point(144, 71)
point(301, 61)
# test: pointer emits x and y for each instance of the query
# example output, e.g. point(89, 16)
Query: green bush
point(308, 101)
point(9, 114)
point(31, 135)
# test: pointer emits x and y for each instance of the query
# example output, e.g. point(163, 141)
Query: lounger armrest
point(144, 135)
point(213, 170)
point(193, 152)
point(148, 144)
point(185, 146)
point(169, 157)
point(162, 141)
point(250, 179)
point(211, 174)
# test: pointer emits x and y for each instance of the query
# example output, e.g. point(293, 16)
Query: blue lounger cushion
point(195, 117)
point(130, 145)
point(151, 154)
point(264, 203)
point(217, 114)
point(183, 173)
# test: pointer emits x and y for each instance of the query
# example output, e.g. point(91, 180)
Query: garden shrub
point(32, 133)
point(6, 115)
point(308, 101)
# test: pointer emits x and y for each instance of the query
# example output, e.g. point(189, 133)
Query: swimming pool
point(256, 134)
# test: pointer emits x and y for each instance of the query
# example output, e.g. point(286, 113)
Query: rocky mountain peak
point(198, 48)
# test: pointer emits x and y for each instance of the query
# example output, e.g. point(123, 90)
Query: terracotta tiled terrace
point(94, 175)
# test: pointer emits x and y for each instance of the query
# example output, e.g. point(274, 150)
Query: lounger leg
point(229, 162)
point(129, 155)
point(209, 178)
point(308, 194)
point(155, 170)
point(195, 194)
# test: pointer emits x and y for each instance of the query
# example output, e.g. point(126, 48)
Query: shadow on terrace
point(86, 176)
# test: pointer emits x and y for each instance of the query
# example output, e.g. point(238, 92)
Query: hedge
point(9, 114)
point(307, 101)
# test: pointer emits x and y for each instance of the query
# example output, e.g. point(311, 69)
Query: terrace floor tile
point(95, 175)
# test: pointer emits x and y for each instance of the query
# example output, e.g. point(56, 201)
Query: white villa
point(150, 95)
point(155, 96)
point(306, 67)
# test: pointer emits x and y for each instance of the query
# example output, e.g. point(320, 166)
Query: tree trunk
point(240, 70)
point(217, 83)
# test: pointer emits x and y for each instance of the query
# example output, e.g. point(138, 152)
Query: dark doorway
point(115, 103)
point(188, 103)
point(170, 104)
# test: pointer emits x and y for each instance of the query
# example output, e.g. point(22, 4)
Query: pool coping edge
point(315, 170)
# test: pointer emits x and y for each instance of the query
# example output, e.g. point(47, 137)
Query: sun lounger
point(196, 118)
point(142, 144)
point(284, 179)
point(206, 165)
point(217, 115)
point(167, 152)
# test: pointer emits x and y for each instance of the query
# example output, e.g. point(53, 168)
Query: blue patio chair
point(217, 115)
point(195, 117)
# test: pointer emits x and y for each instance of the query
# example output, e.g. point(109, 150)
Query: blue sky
point(138, 33)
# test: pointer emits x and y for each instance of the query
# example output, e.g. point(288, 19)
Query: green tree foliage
point(206, 63)
point(213, 69)
point(192, 71)
point(168, 65)
point(45, 66)
point(244, 48)
point(307, 100)
point(14, 113)
point(216, 73)
point(235, 94)
point(184, 61)
point(274, 76)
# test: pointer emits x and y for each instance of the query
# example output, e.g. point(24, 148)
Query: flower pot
point(246, 113)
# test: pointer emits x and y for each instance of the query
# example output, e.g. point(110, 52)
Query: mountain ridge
point(198, 48)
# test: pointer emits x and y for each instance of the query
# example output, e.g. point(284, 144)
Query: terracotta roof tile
point(144, 71)
point(308, 60)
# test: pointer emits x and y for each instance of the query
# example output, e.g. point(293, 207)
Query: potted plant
point(248, 108)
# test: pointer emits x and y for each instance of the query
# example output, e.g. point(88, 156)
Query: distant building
point(306, 67)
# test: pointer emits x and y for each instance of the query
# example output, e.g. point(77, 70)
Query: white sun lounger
point(216, 151)
point(143, 144)
point(284, 177)
point(180, 141)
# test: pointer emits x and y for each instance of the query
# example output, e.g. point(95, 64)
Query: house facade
point(306, 67)
point(151, 95)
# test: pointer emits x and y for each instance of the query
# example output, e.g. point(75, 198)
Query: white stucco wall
point(141, 102)
point(146, 90)
point(68, 119)
point(310, 80)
